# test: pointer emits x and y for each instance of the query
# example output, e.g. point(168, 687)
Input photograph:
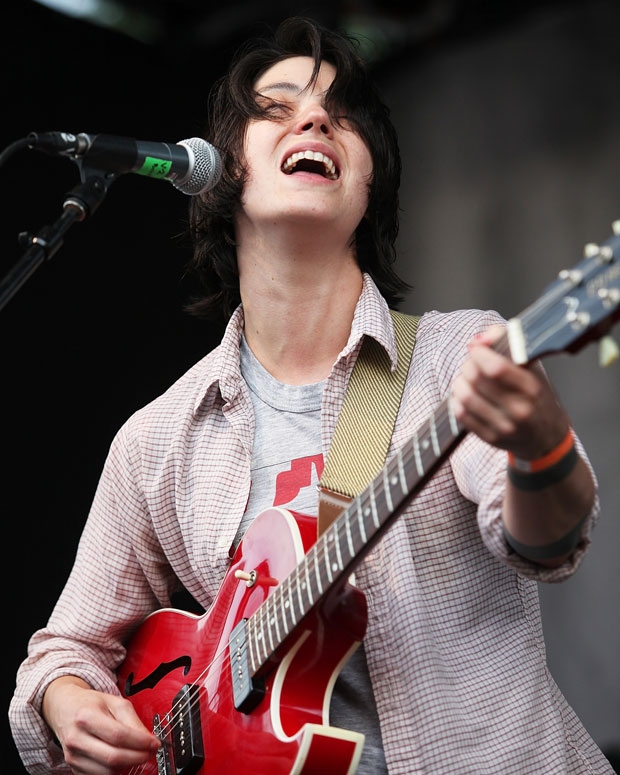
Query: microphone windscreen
point(207, 168)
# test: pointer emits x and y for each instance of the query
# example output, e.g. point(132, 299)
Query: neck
point(298, 310)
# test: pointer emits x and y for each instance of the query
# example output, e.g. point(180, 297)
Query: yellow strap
point(362, 436)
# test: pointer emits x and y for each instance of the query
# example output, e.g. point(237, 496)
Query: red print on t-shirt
point(289, 483)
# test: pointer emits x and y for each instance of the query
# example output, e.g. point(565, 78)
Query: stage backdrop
point(511, 154)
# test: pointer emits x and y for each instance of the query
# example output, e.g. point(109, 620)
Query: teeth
point(328, 164)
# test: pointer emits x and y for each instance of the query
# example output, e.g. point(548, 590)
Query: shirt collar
point(222, 372)
point(371, 318)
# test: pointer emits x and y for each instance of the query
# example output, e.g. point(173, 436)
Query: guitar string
point(173, 718)
point(344, 533)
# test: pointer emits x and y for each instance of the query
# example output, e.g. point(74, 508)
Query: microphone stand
point(79, 204)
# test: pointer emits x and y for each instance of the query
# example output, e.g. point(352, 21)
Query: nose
point(314, 117)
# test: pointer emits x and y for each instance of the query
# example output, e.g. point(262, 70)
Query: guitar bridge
point(247, 691)
point(162, 757)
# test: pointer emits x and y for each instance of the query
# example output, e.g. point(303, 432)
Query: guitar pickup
point(247, 691)
point(186, 731)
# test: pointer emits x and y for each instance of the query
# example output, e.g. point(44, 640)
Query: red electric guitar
point(245, 688)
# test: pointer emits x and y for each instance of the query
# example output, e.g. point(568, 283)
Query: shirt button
point(223, 543)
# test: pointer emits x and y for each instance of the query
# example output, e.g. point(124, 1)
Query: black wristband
point(541, 479)
point(547, 551)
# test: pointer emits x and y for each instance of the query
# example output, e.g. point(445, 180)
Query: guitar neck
point(330, 561)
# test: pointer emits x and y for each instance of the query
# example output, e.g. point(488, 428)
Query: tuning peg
point(608, 351)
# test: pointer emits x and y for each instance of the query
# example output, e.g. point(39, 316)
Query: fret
point(296, 608)
point(299, 584)
point(280, 618)
point(279, 609)
point(338, 548)
point(366, 515)
point(332, 556)
point(394, 484)
point(434, 439)
point(418, 457)
point(359, 533)
point(253, 628)
point(402, 477)
point(360, 522)
point(373, 506)
point(425, 447)
point(262, 643)
point(270, 618)
point(347, 523)
point(296, 594)
point(265, 634)
point(327, 562)
point(317, 573)
point(282, 627)
point(308, 587)
point(453, 422)
point(387, 490)
point(288, 607)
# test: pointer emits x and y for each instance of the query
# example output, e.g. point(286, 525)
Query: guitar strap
point(366, 420)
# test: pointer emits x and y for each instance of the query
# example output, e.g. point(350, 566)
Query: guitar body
point(178, 674)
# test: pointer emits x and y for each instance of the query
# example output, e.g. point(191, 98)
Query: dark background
point(509, 124)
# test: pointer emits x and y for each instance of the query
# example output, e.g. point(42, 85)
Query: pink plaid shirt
point(454, 641)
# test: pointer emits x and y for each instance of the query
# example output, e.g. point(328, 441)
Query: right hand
point(100, 734)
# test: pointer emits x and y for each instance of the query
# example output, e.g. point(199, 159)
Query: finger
point(136, 733)
point(485, 419)
point(108, 736)
point(484, 404)
point(100, 757)
point(488, 338)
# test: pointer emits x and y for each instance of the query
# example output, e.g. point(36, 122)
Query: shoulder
point(442, 338)
point(199, 388)
point(458, 325)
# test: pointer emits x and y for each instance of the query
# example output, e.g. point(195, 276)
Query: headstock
point(579, 307)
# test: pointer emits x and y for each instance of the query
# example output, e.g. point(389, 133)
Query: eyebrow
point(286, 86)
point(281, 86)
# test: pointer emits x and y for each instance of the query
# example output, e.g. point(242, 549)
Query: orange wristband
point(546, 461)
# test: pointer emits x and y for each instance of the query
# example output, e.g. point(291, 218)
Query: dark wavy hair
point(232, 104)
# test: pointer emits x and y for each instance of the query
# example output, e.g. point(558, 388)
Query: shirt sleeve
point(480, 469)
point(106, 595)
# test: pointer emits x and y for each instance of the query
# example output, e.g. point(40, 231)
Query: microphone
point(192, 166)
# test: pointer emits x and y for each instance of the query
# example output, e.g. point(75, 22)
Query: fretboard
point(350, 537)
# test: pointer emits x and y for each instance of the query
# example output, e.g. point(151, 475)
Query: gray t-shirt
point(286, 465)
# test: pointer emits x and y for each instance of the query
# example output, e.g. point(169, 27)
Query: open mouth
point(311, 161)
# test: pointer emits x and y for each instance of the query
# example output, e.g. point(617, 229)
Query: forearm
point(543, 523)
point(54, 690)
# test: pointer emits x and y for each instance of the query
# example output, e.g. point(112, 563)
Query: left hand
point(509, 406)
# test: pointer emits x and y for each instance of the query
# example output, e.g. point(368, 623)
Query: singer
point(413, 649)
